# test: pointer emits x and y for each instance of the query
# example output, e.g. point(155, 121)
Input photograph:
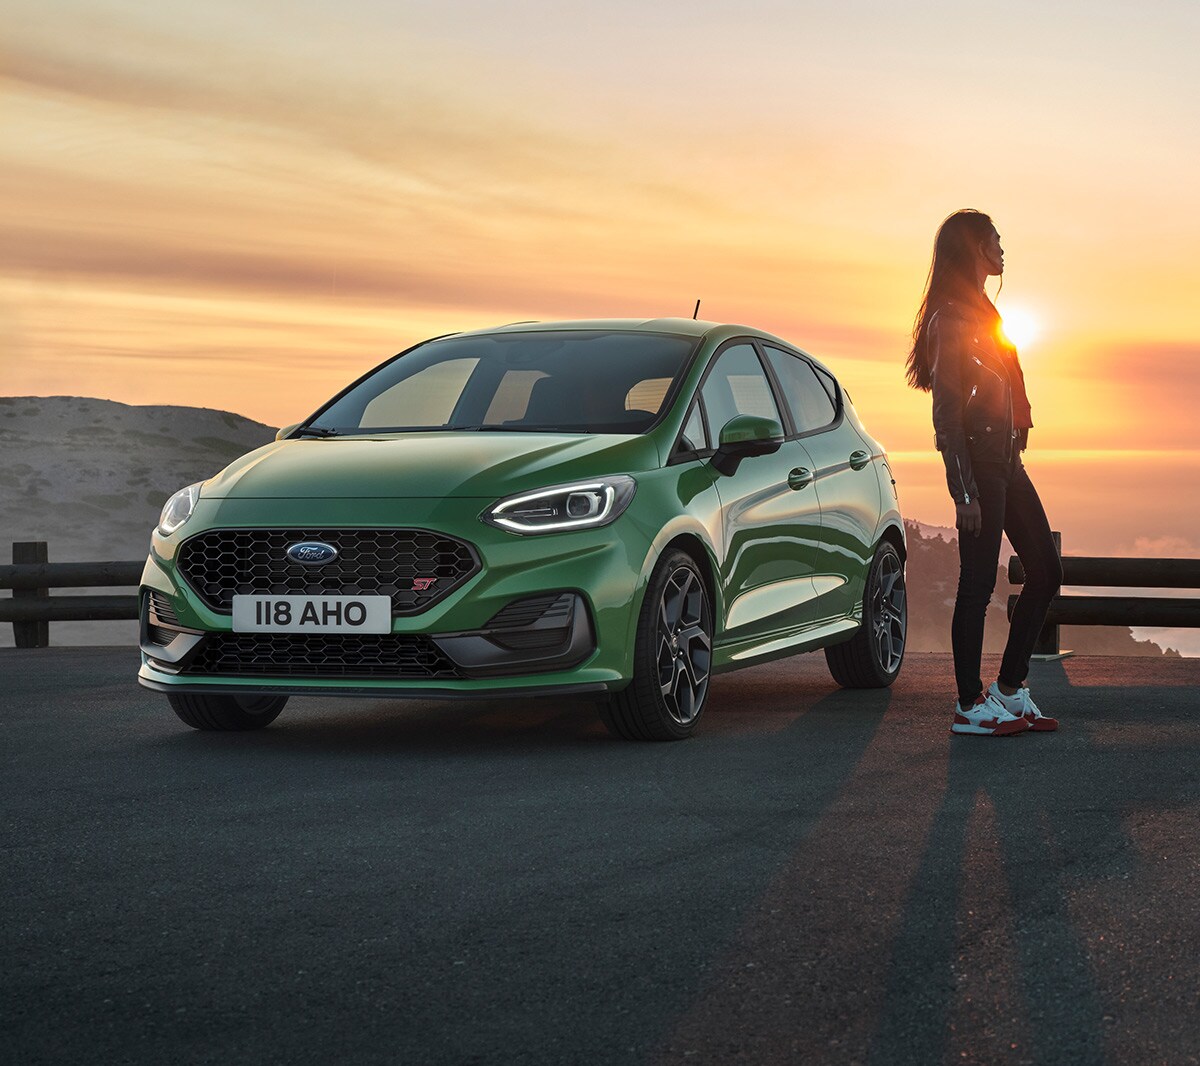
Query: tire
point(873, 656)
point(226, 712)
point(672, 657)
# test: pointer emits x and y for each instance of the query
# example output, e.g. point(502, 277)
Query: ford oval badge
point(312, 553)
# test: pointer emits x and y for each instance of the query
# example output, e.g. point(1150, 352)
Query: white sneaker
point(987, 717)
point(1038, 722)
point(1014, 704)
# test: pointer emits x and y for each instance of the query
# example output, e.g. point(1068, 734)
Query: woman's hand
point(970, 517)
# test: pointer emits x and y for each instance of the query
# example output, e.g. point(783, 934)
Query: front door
point(771, 520)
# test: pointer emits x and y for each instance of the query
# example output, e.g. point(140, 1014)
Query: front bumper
point(584, 645)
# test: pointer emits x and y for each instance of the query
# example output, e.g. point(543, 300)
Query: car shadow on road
point(752, 702)
point(388, 727)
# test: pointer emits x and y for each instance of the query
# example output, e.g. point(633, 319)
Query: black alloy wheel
point(684, 645)
point(873, 656)
point(672, 657)
point(889, 613)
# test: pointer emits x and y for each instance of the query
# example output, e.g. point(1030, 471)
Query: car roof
point(688, 327)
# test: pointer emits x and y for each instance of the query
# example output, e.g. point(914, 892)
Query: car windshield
point(570, 381)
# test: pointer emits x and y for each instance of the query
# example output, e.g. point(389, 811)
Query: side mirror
point(287, 430)
point(743, 436)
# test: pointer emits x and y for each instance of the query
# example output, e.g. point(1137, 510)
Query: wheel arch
point(894, 534)
point(696, 545)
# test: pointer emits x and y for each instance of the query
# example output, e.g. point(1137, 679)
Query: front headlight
point(178, 509)
point(581, 505)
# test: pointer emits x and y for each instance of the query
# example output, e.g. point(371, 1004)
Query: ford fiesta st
point(617, 509)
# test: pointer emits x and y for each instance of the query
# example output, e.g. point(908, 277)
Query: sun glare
point(1020, 327)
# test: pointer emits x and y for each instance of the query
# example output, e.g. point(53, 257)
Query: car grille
point(222, 563)
point(323, 655)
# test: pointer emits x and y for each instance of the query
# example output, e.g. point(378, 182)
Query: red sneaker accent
point(1017, 725)
point(985, 723)
point(998, 728)
point(1041, 725)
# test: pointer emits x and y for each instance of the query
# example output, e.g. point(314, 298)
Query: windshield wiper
point(316, 431)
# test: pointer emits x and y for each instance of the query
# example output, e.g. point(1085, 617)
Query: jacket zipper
point(987, 368)
point(1008, 390)
point(962, 481)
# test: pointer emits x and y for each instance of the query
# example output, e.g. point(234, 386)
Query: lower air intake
point(320, 655)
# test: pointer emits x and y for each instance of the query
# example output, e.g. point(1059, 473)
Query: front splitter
point(387, 691)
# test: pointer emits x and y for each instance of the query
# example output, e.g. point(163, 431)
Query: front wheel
point(202, 711)
point(672, 657)
point(872, 657)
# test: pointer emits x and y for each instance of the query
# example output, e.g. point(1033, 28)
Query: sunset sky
point(243, 206)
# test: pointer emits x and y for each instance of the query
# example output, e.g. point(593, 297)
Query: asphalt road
point(818, 876)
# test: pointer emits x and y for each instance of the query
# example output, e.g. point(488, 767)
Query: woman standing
point(981, 422)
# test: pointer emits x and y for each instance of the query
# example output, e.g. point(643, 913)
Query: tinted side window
point(806, 396)
point(831, 386)
point(737, 385)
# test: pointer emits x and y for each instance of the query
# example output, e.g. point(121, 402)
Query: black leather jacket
point(972, 398)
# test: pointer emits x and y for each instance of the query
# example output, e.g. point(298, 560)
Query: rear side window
point(831, 386)
point(737, 385)
point(808, 398)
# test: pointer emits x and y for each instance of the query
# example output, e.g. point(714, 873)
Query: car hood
point(438, 465)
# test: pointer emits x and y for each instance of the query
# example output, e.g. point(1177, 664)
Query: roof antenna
point(697, 311)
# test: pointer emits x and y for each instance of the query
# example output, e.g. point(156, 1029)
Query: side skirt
point(764, 650)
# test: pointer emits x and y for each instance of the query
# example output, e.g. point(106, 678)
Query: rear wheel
point(672, 657)
point(872, 657)
point(226, 712)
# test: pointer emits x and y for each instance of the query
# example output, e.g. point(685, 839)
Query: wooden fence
point(31, 608)
point(1102, 572)
point(31, 577)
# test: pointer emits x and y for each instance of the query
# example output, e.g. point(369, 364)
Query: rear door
point(847, 486)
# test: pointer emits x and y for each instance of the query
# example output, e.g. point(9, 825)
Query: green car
point(615, 509)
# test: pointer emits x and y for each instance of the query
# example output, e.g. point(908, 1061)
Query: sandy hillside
point(89, 477)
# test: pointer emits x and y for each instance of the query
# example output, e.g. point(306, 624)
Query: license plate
point(312, 614)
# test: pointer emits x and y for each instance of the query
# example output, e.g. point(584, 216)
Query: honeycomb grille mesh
point(323, 655)
point(415, 567)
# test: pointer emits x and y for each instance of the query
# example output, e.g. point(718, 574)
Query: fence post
point(31, 634)
point(1047, 641)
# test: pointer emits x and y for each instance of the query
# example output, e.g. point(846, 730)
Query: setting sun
point(1020, 327)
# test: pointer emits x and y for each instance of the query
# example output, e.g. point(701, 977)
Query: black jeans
point(1009, 504)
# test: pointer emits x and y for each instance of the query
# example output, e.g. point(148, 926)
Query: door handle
point(799, 477)
point(859, 459)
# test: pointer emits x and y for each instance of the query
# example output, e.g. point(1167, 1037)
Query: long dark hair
point(952, 279)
